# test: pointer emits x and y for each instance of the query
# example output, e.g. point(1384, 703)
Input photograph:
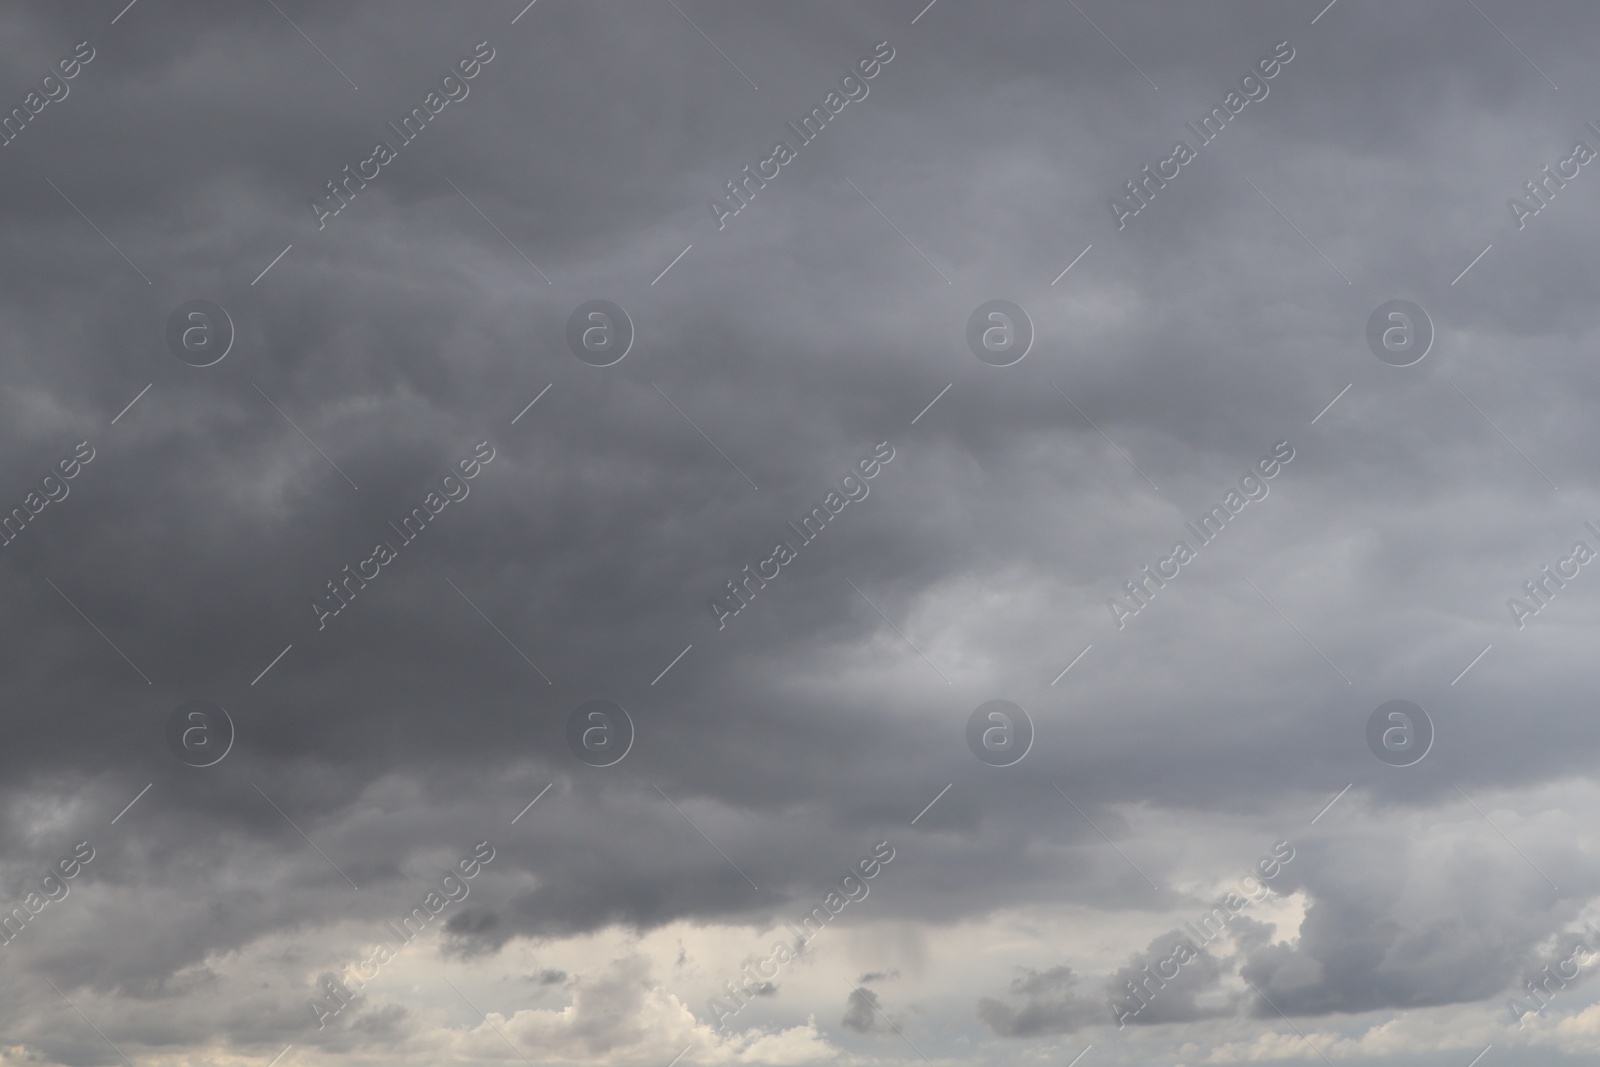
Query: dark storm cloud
point(410, 329)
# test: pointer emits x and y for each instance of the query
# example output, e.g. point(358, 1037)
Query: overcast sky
point(324, 530)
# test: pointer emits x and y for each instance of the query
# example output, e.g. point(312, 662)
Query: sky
point(758, 535)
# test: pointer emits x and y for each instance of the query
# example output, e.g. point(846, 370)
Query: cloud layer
point(792, 648)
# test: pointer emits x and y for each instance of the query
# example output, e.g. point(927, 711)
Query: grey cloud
point(412, 327)
point(1053, 1005)
point(861, 1012)
point(1165, 983)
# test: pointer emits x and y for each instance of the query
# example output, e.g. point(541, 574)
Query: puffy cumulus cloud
point(1414, 916)
point(785, 1048)
point(620, 1016)
point(1572, 1033)
point(1452, 1033)
point(1425, 904)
